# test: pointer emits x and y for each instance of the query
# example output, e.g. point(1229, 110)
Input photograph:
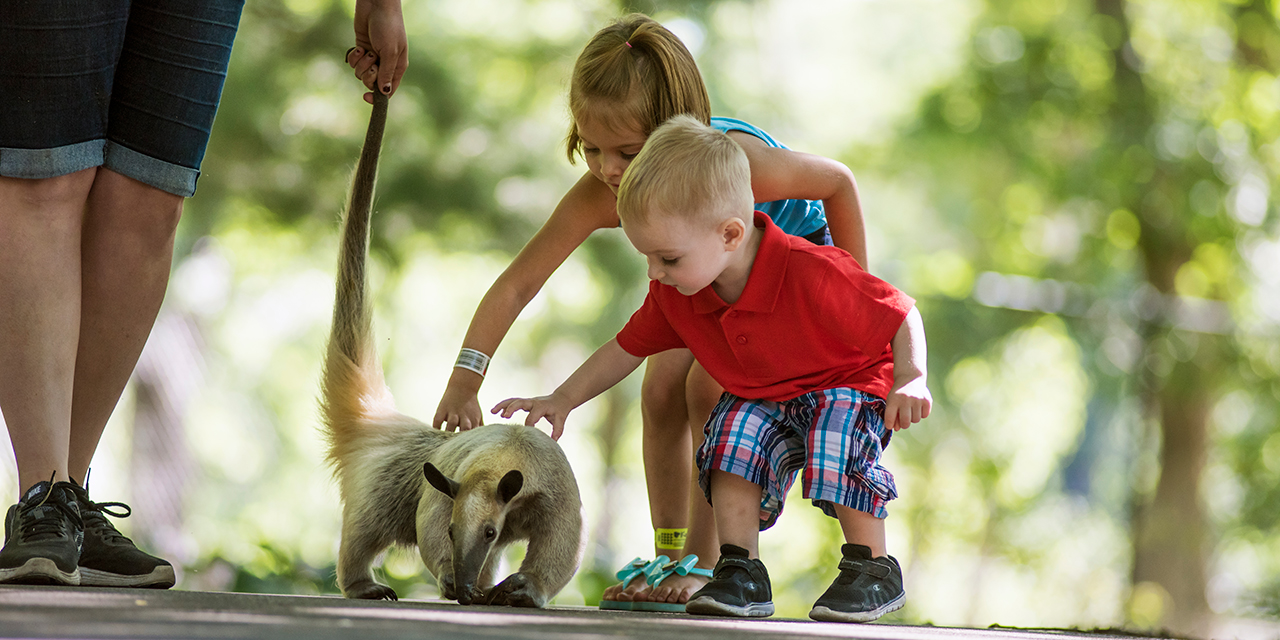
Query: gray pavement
point(68, 612)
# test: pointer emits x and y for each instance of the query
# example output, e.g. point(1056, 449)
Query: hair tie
point(628, 43)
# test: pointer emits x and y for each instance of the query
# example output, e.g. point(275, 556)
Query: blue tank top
point(795, 217)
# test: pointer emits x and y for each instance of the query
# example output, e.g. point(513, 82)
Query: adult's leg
point(40, 235)
point(701, 395)
point(126, 252)
point(666, 451)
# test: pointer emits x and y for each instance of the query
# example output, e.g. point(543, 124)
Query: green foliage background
point(1037, 173)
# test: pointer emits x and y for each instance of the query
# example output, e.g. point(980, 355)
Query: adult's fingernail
point(370, 54)
point(386, 88)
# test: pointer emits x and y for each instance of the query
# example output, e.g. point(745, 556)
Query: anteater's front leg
point(549, 564)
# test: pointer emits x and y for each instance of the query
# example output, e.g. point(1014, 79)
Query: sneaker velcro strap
point(869, 567)
point(738, 563)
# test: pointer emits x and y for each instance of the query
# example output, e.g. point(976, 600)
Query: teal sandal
point(683, 567)
point(633, 570)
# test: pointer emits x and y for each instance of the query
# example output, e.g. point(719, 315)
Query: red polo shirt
point(810, 318)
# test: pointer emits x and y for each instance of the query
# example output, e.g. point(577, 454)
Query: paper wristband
point(472, 360)
point(669, 538)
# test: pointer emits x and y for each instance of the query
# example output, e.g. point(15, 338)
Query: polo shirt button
point(742, 339)
point(733, 314)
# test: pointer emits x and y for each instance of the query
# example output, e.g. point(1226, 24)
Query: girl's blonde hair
point(639, 66)
point(687, 170)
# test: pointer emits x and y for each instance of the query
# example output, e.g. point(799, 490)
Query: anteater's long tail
point(353, 386)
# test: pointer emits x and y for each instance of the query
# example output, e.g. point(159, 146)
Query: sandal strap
point(654, 568)
point(698, 571)
point(683, 567)
point(639, 566)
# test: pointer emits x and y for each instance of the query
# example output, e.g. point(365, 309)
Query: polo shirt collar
point(765, 280)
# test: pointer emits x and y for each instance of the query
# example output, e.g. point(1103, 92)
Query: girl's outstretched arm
point(779, 174)
point(589, 205)
point(605, 368)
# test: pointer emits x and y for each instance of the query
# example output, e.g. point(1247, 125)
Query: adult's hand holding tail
point(381, 53)
point(549, 407)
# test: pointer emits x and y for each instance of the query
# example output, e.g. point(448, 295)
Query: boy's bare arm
point(909, 401)
point(605, 368)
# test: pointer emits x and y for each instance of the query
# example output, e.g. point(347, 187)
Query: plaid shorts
point(835, 435)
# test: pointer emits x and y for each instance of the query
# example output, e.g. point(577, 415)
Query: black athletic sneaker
point(42, 537)
point(866, 588)
point(739, 587)
point(109, 559)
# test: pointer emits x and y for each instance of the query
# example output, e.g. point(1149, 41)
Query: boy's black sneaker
point(109, 559)
point(739, 587)
point(866, 588)
point(42, 537)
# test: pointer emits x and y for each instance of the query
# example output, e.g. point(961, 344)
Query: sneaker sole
point(40, 571)
point(708, 607)
point(824, 614)
point(161, 577)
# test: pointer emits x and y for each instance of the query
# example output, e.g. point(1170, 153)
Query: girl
point(631, 77)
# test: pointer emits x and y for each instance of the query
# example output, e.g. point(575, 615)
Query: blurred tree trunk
point(1169, 528)
point(1170, 534)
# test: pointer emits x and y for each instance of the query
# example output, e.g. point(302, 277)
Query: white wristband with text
point(472, 360)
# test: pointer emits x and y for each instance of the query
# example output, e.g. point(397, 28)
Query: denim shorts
point(129, 85)
point(834, 436)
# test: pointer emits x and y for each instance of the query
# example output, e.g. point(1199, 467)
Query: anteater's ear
point(510, 485)
point(440, 481)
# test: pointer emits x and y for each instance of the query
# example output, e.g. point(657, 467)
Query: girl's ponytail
point(641, 68)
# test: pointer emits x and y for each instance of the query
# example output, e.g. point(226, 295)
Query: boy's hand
point(908, 403)
point(551, 407)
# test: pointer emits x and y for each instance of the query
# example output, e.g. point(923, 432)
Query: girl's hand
point(459, 410)
point(908, 403)
point(381, 53)
point(550, 407)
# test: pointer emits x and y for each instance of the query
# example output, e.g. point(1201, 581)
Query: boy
point(810, 348)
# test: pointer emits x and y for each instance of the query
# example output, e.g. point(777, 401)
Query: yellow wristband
point(670, 538)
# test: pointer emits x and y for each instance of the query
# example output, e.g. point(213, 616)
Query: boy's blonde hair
point(638, 66)
point(689, 169)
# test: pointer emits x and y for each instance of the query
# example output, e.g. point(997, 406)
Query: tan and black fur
point(489, 486)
